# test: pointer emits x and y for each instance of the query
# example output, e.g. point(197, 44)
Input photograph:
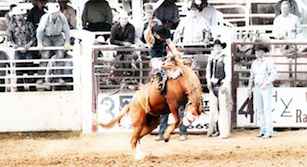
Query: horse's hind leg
point(138, 119)
point(150, 126)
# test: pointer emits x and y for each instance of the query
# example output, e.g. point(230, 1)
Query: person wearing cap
point(49, 33)
point(218, 75)
point(192, 28)
point(21, 33)
point(36, 12)
point(69, 13)
point(262, 75)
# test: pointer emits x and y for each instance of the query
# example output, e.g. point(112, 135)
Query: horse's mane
point(191, 82)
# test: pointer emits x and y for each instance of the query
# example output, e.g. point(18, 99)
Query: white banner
point(108, 107)
point(289, 108)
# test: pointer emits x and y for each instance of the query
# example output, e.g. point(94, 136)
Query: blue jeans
point(24, 56)
point(46, 54)
point(262, 101)
point(164, 120)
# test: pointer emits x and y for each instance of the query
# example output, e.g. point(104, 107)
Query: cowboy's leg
point(182, 128)
point(258, 101)
point(213, 115)
point(163, 124)
point(45, 54)
point(224, 115)
point(156, 64)
point(267, 100)
point(59, 41)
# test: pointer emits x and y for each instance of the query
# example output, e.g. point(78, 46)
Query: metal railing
point(21, 75)
point(128, 67)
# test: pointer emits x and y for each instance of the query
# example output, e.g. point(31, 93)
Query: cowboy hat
point(261, 47)
point(18, 11)
point(163, 31)
point(218, 42)
point(52, 8)
point(148, 8)
point(194, 6)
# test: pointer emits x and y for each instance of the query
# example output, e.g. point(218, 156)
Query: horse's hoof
point(139, 156)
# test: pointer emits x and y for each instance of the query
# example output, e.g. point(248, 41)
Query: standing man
point(293, 8)
point(21, 33)
point(262, 75)
point(218, 75)
point(49, 33)
point(285, 27)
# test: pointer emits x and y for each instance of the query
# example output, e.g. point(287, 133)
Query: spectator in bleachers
point(97, 16)
point(21, 33)
point(168, 13)
point(286, 25)
point(3, 57)
point(193, 28)
point(36, 12)
point(49, 33)
point(293, 8)
point(123, 34)
point(7, 15)
point(209, 13)
point(69, 13)
point(141, 27)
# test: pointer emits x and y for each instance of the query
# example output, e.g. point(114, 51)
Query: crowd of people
point(49, 24)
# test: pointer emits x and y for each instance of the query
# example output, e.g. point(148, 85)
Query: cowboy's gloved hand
point(67, 46)
point(40, 46)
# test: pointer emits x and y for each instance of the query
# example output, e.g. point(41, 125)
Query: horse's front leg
point(170, 128)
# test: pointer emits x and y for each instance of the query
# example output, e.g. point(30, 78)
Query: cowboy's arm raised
point(148, 33)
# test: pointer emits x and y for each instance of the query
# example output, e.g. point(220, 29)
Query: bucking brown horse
point(148, 104)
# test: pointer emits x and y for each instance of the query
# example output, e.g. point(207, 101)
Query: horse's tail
point(116, 120)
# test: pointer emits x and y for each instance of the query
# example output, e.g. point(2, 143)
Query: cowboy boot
point(161, 84)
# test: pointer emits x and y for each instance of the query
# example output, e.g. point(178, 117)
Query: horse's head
point(192, 112)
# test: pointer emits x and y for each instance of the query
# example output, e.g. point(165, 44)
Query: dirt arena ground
point(287, 148)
